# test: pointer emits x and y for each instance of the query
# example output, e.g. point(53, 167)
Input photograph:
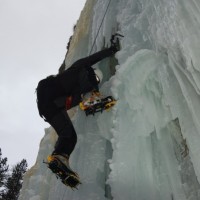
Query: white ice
point(147, 147)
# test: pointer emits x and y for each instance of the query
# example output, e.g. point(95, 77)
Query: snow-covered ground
point(147, 147)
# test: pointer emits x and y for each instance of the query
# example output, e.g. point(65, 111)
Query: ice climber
point(57, 93)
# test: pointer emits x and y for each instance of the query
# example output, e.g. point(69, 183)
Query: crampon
point(93, 105)
point(67, 176)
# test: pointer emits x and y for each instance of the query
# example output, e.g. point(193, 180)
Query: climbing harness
point(99, 28)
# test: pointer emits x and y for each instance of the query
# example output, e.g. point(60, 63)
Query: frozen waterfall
point(148, 146)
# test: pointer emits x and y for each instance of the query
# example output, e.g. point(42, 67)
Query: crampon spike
point(66, 175)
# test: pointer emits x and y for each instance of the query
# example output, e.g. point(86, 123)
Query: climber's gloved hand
point(115, 44)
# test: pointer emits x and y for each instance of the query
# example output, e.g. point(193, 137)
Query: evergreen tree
point(15, 180)
point(3, 173)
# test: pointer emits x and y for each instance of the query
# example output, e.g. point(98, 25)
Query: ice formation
point(147, 147)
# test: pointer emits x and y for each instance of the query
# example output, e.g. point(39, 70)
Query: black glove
point(115, 44)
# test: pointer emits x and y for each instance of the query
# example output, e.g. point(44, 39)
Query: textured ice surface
point(147, 146)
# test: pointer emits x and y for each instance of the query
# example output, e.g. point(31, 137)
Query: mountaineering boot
point(59, 164)
point(96, 103)
point(88, 101)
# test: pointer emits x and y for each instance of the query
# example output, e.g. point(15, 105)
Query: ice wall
point(147, 146)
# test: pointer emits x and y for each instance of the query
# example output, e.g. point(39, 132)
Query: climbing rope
point(99, 27)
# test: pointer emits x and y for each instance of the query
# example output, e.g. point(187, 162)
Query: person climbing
point(56, 94)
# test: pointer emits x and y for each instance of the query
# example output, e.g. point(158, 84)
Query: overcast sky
point(33, 39)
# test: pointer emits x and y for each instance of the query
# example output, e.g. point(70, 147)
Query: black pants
point(67, 137)
point(49, 90)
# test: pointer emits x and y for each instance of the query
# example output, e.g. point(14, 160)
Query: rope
point(99, 27)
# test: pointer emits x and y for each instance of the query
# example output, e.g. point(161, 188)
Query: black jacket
point(76, 80)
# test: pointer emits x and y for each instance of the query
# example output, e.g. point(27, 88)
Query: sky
point(33, 39)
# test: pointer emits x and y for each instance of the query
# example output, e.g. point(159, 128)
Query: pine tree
point(14, 182)
point(3, 173)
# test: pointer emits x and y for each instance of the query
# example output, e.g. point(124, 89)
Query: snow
point(147, 146)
